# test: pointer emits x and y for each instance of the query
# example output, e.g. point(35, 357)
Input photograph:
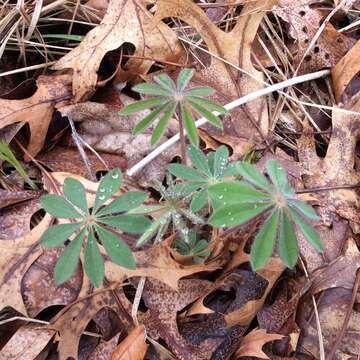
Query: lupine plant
point(173, 209)
point(204, 172)
point(167, 98)
point(239, 201)
point(90, 227)
point(196, 248)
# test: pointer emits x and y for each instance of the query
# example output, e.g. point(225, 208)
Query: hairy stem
point(182, 138)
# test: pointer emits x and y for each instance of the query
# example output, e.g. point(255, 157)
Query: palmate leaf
point(58, 206)
point(208, 104)
point(199, 160)
point(264, 243)
point(199, 200)
point(69, 259)
point(200, 91)
point(93, 261)
point(184, 78)
point(304, 208)
point(213, 119)
point(151, 231)
point(56, 235)
point(148, 119)
point(151, 89)
point(126, 202)
point(189, 125)
point(288, 245)
point(166, 82)
point(75, 192)
point(220, 161)
point(277, 174)
point(163, 122)
point(185, 173)
point(132, 224)
point(108, 186)
point(142, 105)
point(118, 251)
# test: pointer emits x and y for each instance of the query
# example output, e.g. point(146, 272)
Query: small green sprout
point(89, 226)
point(239, 201)
point(194, 247)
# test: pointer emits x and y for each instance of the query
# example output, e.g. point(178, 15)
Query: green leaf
point(69, 259)
point(185, 173)
point(208, 104)
point(251, 174)
point(236, 214)
point(311, 235)
point(132, 224)
point(147, 235)
point(146, 209)
point(231, 170)
point(184, 78)
point(163, 122)
point(304, 208)
point(220, 161)
point(75, 192)
point(200, 246)
point(207, 114)
point(187, 188)
point(118, 251)
point(199, 160)
point(56, 235)
point(108, 186)
point(288, 245)
point(58, 206)
point(148, 119)
point(126, 202)
point(165, 81)
point(277, 174)
point(236, 192)
point(151, 89)
point(263, 245)
point(189, 125)
point(200, 91)
point(94, 263)
point(141, 105)
point(199, 200)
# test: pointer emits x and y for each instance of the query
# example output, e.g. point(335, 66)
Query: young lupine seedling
point(173, 209)
point(195, 248)
point(243, 200)
point(204, 172)
point(167, 99)
point(88, 228)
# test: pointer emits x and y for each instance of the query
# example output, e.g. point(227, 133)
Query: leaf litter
point(219, 308)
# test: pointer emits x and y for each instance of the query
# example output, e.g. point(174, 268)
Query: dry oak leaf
point(253, 342)
point(250, 121)
point(17, 255)
point(125, 21)
point(304, 22)
point(14, 197)
point(27, 343)
point(133, 347)
point(37, 110)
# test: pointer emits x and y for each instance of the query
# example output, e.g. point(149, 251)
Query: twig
point(347, 317)
point(136, 303)
point(232, 105)
point(327, 188)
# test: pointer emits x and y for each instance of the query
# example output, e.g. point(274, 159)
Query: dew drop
point(279, 168)
point(223, 225)
point(102, 197)
point(221, 196)
point(102, 190)
point(229, 213)
point(232, 219)
point(115, 176)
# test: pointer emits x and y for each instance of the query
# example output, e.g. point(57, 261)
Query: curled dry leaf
point(160, 42)
point(27, 343)
point(14, 197)
point(304, 22)
point(133, 347)
point(37, 110)
point(251, 120)
point(252, 343)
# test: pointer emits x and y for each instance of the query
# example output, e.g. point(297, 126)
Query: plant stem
point(182, 138)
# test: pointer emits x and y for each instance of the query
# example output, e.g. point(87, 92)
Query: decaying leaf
point(37, 110)
point(251, 120)
point(133, 347)
point(252, 343)
point(150, 40)
point(27, 343)
point(14, 197)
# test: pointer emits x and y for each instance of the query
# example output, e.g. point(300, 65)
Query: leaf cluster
point(89, 228)
point(196, 248)
point(167, 98)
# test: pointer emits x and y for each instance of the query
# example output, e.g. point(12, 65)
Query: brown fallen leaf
point(252, 343)
point(160, 42)
point(133, 347)
point(27, 343)
point(14, 197)
point(304, 22)
point(37, 110)
point(251, 120)
point(104, 350)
